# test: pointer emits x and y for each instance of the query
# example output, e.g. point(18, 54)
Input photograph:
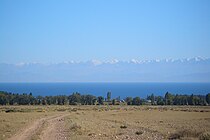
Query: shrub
point(123, 126)
point(205, 136)
point(139, 132)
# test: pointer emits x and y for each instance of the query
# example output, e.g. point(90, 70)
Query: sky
point(81, 30)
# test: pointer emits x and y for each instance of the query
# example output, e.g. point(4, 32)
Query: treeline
point(171, 99)
point(28, 99)
point(79, 99)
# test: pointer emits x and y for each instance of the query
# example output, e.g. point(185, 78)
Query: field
point(104, 122)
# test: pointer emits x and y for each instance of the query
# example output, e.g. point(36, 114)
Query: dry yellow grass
point(20, 117)
point(108, 122)
point(140, 122)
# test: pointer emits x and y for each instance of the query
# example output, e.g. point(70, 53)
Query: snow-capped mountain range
point(116, 61)
point(195, 69)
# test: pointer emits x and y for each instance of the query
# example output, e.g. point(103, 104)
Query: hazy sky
point(55, 31)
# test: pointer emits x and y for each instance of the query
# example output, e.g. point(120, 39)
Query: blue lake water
point(100, 89)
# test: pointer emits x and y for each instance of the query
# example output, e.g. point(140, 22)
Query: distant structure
point(109, 96)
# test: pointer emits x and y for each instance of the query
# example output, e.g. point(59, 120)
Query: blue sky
point(55, 31)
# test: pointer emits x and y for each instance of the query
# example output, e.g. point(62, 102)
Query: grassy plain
point(104, 122)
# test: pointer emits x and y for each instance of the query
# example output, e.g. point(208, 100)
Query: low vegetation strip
point(79, 99)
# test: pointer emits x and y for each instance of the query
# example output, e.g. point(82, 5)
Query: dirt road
point(105, 123)
point(48, 128)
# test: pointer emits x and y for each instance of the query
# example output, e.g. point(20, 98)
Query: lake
point(100, 89)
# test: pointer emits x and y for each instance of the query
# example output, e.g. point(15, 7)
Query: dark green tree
point(49, 100)
point(109, 96)
point(129, 100)
point(191, 100)
point(113, 101)
point(160, 100)
point(3, 98)
point(88, 99)
point(101, 100)
point(153, 99)
point(136, 101)
point(74, 99)
point(208, 98)
point(168, 98)
point(118, 98)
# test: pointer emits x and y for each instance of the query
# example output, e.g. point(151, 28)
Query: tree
point(129, 100)
point(160, 100)
point(101, 100)
point(83, 100)
point(192, 100)
point(113, 101)
point(136, 101)
point(184, 99)
point(153, 99)
point(2, 98)
point(44, 102)
point(197, 100)
point(88, 99)
point(74, 99)
point(32, 99)
point(168, 99)
point(208, 98)
point(118, 98)
point(109, 96)
point(7, 98)
point(39, 100)
point(49, 100)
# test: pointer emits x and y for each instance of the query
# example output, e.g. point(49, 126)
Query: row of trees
point(29, 99)
point(171, 99)
point(78, 99)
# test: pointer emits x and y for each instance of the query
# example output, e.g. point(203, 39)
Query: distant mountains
point(165, 70)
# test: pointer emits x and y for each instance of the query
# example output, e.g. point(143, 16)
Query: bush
point(205, 136)
point(123, 126)
point(139, 132)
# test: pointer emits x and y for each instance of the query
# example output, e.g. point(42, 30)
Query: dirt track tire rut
point(52, 128)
